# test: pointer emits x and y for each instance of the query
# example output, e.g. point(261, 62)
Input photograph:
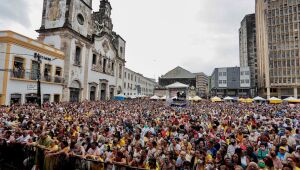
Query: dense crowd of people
point(148, 134)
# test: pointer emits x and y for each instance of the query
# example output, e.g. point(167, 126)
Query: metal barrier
point(18, 156)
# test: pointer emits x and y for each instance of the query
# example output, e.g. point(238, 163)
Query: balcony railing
point(20, 74)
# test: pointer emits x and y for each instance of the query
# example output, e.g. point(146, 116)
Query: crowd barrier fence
point(23, 157)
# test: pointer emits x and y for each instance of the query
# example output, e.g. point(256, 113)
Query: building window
point(47, 72)
point(56, 98)
point(125, 74)
point(113, 68)
point(120, 71)
point(46, 98)
point(104, 65)
point(124, 85)
point(224, 74)
point(220, 74)
point(220, 81)
point(58, 73)
point(94, 61)
point(224, 82)
point(77, 59)
point(34, 70)
point(18, 67)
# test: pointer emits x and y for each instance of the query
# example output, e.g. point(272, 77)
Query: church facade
point(94, 54)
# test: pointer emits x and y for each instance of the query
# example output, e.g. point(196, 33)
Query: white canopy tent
point(290, 98)
point(258, 98)
point(228, 98)
point(274, 98)
point(154, 97)
point(120, 95)
point(163, 98)
point(177, 85)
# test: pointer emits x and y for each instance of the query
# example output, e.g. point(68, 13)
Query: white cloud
point(196, 34)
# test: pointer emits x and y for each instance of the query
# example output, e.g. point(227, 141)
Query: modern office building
point(247, 45)
point(277, 27)
point(230, 81)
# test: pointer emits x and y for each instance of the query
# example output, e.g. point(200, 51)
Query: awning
point(228, 98)
point(258, 98)
point(177, 85)
point(154, 97)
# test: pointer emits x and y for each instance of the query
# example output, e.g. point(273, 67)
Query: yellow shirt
point(122, 142)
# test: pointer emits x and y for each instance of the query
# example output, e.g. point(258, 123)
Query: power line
point(16, 54)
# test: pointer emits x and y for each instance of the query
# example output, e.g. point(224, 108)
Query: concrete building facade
point(230, 81)
point(277, 24)
point(247, 46)
point(135, 84)
point(201, 84)
point(19, 70)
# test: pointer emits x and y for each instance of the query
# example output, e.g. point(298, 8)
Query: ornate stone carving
point(54, 10)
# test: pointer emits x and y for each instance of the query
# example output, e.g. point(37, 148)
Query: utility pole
point(39, 95)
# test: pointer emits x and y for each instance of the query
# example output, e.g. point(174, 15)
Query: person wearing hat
point(284, 143)
point(262, 166)
point(282, 154)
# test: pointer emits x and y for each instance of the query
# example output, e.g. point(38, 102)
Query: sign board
point(31, 87)
point(36, 56)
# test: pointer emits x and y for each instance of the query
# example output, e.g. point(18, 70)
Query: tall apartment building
point(201, 84)
point(277, 23)
point(230, 81)
point(247, 45)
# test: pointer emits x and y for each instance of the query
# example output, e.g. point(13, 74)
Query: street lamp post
point(39, 95)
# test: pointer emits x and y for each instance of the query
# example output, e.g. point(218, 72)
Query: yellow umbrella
point(249, 100)
point(241, 100)
point(294, 101)
point(196, 98)
point(216, 99)
point(275, 100)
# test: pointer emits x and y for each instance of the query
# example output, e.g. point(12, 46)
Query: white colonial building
point(135, 84)
point(19, 70)
point(94, 53)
